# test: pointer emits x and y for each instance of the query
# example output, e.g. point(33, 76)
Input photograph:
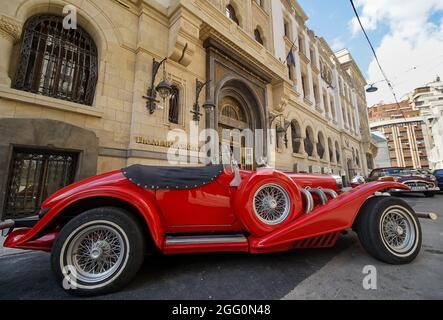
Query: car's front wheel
point(98, 252)
point(389, 230)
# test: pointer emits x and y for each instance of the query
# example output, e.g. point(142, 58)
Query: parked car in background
point(419, 180)
point(357, 181)
point(438, 174)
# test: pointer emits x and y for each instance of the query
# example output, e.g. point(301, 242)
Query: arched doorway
point(351, 170)
point(239, 116)
point(231, 126)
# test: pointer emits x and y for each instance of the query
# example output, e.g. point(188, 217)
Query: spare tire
point(266, 201)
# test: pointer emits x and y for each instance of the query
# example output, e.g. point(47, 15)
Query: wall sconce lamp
point(196, 109)
point(281, 129)
point(164, 88)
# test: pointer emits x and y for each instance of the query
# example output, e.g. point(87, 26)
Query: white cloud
point(411, 53)
point(338, 44)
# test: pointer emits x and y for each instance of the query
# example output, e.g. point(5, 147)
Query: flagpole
point(290, 50)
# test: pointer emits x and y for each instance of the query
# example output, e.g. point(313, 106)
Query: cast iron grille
point(419, 184)
point(174, 102)
point(35, 175)
point(57, 62)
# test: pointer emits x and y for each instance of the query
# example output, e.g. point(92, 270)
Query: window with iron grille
point(35, 175)
point(57, 62)
point(174, 105)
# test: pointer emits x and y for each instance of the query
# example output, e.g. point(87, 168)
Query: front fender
point(337, 215)
point(144, 204)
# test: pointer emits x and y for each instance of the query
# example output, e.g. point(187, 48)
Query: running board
point(206, 243)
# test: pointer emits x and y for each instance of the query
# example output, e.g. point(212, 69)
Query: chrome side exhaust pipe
point(427, 215)
point(7, 224)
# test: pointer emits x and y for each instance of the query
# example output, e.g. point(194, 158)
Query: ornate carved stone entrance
point(239, 99)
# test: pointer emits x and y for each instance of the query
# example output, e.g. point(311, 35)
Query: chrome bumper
point(427, 215)
point(22, 223)
point(8, 224)
point(412, 190)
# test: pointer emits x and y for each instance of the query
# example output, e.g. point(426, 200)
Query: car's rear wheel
point(389, 230)
point(98, 252)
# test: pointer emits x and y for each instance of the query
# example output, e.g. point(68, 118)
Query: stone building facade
point(73, 103)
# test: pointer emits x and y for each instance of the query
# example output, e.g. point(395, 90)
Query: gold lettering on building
point(165, 144)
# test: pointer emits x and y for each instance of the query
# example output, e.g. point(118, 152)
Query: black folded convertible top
point(171, 178)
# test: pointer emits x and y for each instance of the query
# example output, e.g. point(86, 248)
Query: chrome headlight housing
point(338, 181)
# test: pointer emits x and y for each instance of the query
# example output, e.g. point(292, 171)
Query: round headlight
point(338, 181)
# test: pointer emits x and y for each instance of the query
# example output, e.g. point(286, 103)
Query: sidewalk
point(7, 251)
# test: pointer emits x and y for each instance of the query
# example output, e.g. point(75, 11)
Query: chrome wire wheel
point(398, 230)
point(271, 204)
point(97, 253)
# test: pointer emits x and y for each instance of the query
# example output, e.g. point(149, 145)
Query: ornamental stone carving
point(10, 28)
point(183, 36)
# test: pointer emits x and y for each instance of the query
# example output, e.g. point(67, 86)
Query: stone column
point(209, 107)
point(328, 158)
point(302, 145)
point(315, 152)
point(10, 31)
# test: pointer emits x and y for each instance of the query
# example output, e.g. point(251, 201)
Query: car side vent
point(324, 241)
point(324, 195)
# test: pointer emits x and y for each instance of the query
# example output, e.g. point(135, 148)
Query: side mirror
point(237, 177)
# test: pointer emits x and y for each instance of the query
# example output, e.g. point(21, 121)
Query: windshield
point(403, 172)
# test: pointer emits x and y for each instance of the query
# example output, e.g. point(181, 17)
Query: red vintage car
point(99, 230)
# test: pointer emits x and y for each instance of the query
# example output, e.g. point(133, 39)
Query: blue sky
point(330, 19)
point(407, 36)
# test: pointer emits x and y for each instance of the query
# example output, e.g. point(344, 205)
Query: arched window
point(57, 62)
point(309, 144)
point(174, 105)
point(321, 145)
point(337, 152)
point(296, 136)
point(258, 37)
point(331, 150)
point(332, 106)
point(233, 112)
point(231, 14)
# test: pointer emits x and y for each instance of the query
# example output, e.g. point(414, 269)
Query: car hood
point(314, 180)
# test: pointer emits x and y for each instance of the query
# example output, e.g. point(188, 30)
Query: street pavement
point(335, 273)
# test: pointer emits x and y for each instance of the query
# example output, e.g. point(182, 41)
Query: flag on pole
point(290, 59)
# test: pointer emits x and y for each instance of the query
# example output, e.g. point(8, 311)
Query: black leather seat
point(171, 178)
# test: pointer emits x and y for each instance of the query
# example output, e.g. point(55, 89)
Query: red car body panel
point(208, 209)
point(339, 214)
point(314, 180)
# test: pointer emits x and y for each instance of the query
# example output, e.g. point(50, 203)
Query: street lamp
point(372, 89)
point(281, 128)
point(196, 109)
point(164, 88)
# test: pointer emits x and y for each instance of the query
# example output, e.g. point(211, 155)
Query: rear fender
point(144, 203)
point(337, 215)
